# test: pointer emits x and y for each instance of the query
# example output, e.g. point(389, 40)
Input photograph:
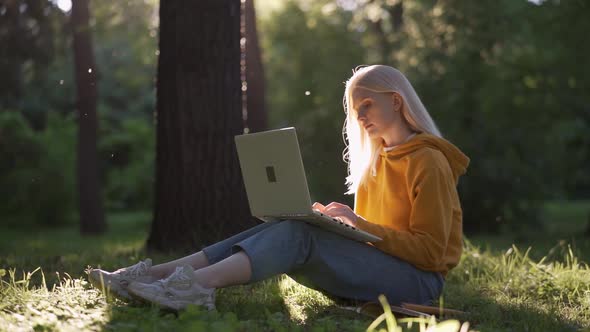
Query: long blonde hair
point(361, 151)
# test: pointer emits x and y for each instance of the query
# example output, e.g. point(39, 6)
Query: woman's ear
point(397, 101)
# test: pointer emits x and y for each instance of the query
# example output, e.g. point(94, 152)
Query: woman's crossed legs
point(312, 256)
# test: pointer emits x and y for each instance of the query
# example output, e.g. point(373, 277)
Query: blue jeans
point(328, 262)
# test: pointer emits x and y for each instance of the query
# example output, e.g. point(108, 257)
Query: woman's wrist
point(359, 221)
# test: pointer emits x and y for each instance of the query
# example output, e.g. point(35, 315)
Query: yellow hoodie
point(413, 205)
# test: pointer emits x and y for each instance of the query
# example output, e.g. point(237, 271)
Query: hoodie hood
point(456, 158)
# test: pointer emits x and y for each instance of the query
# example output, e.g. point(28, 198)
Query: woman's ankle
point(159, 272)
point(197, 261)
point(202, 280)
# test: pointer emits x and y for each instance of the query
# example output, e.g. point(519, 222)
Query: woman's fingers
point(336, 205)
point(333, 212)
point(335, 209)
point(333, 204)
point(318, 206)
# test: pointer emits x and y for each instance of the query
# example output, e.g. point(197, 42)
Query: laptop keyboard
point(324, 216)
point(321, 216)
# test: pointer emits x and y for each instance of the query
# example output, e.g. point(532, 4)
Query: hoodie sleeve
point(432, 195)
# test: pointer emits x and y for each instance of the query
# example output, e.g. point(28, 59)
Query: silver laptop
point(276, 185)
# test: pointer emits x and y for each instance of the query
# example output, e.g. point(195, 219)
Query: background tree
point(200, 196)
point(28, 36)
point(307, 75)
point(257, 118)
point(92, 219)
point(38, 152)
point(506, 81)
point(491, 81)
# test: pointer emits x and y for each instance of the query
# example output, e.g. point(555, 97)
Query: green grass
point(564, 224)
point(504, 287)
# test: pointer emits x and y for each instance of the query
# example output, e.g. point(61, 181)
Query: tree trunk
point(200, 195)
point(588, 225)
point(89, 190)
point(397, 16)
point(256, 104)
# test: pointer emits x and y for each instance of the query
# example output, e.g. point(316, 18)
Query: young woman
point(404, 176)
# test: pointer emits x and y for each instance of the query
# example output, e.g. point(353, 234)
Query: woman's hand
point(338, 211)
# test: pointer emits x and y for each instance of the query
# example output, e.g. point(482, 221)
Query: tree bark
point(92, 219)
point(257, 119)
point(200, 195)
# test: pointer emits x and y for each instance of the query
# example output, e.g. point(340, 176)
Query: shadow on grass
point(257, 307)
point(486, 313)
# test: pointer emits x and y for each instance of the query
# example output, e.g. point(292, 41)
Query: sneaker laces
point(136, 270)
point(177, 277)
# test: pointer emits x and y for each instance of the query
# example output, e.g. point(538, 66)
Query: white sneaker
point(116, 282)
point(176, 291)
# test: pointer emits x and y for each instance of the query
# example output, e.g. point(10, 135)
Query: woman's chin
point(372, 133)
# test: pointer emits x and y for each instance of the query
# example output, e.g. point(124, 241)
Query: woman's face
point(375, 111)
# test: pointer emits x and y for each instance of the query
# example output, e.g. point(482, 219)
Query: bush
point(36, 171)
point(129, 149)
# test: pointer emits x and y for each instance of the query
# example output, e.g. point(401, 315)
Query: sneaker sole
point(182, 304)
point(99, 284)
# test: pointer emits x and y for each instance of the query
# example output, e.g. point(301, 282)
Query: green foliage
point(41, 188)
point(308, 54)
point(498, 78)
point(19, 151)
point(37, 178)
point(129, 149)
point(125, 35)
point(39, 70)
point(27, 33)
point(38, 172)
point(502, 111)
point(506, 81)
